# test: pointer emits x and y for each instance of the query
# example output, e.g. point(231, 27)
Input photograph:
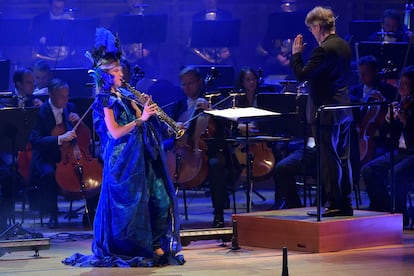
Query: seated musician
point(369, 133)
point(22, 97)
point(56, 112)
point(392, 28)
point(375, 172)
point(247, 83)
point(221, 55)
point(220, 171)
point(42, 74)
point(49, 40)
point(23, 93)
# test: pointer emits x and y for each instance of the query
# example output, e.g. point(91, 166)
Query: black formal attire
point(45, 155)
point(328, 71)
point(375, 173)
point(9, 182)
point(223, 167)
point(209, 55)
point(381, 140)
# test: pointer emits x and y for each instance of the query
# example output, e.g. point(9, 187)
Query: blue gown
point(137, 209)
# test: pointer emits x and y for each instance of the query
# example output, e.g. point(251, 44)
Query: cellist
point(369, 136)
point(46, 147)
point(220, 171)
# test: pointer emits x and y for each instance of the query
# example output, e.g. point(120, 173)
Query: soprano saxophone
point(142, 99)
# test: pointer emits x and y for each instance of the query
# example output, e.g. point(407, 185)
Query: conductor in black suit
point(327, 72)
point(46, 146)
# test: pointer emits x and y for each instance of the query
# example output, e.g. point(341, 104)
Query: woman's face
point(250, 82)
point(406, 87)
point(118, 75)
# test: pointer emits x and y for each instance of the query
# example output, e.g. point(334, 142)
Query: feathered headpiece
point(104, 56)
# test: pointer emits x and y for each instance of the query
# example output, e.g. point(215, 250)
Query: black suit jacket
point(328, 72)
point(45, 148)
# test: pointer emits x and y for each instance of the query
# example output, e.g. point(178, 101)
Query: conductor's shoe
point(53, 223)
point(328, 212)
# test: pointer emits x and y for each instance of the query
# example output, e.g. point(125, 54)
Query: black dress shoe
point(53, 223)
point(218, 221)
point(328, 212)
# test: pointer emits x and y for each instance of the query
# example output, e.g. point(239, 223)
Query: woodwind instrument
point(142, 99)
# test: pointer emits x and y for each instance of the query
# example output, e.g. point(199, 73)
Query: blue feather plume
point(104, 38)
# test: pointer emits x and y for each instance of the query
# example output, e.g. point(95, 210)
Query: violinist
point(219, 157)
point(375, 173)
point(45, 147)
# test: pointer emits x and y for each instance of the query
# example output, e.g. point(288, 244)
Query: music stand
point(9, 27)
point(277, 22)
point(244, 115)
point(215, 33)
point(4, 74)
point(82, 31)
point(142, 28)
point(387, 53)
point(58, 33)
point(15, 127)
point(361, 30)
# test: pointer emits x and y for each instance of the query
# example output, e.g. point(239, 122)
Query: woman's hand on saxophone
point(149, 110)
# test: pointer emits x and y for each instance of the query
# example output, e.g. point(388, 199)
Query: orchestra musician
point(392, 28)
point(375, 172)
point(221, 55)
point(145, 55)
point(42, 24)
point(369, 133)
point(46, 152)
point(42, 74)
point(22, 97)
point(221, 172)
point(327, 71)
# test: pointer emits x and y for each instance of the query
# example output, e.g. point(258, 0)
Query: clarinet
point(142, 99)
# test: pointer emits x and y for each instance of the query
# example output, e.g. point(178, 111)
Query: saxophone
point(142, 99)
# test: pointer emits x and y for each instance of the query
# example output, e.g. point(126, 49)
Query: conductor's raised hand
point(298, 45)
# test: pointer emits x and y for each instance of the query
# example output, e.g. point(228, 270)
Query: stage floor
point(210, 257)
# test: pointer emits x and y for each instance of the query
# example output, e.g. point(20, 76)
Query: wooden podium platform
point(294, 229)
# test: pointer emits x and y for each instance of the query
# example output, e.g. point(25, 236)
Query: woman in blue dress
point(136, 221)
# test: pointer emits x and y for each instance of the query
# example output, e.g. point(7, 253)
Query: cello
point(78, 174)
point(187, 161)
point(372, 120)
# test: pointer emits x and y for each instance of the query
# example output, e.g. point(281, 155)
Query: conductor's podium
point(294, 229)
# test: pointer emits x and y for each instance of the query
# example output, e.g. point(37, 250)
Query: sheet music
point(235, 114)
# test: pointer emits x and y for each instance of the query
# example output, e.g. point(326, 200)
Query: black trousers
point(335, 167)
